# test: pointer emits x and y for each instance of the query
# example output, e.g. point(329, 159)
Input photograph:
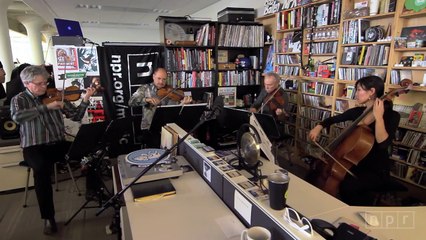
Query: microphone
point(216, 109)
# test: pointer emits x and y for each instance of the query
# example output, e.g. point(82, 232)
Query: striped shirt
point(38, 124)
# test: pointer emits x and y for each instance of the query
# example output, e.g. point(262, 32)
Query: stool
point(72, 177)
point(24, 164)
point(391, 186)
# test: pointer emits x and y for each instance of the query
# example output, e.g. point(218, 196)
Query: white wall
point(99, 35)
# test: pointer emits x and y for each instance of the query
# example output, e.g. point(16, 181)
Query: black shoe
point(50, 226)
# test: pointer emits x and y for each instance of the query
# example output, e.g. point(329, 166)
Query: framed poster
point(229, 96)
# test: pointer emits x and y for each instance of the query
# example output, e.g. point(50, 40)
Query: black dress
point(373, 171)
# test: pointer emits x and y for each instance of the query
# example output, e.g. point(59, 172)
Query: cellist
point(373, 170)
point(272, 99)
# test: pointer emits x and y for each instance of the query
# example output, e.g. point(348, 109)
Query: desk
point(206, 209)
point(395, 222)
point(195, 212)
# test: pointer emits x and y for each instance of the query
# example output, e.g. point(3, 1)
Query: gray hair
point(29, 73)
point(274, 75)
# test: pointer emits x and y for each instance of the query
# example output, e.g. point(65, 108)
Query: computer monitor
point(186, 116)
point(68, 27)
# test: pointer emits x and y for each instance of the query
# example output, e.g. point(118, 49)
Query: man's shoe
point(50, 226)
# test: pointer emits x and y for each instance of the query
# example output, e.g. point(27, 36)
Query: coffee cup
point(278, 186)
point(256, 233)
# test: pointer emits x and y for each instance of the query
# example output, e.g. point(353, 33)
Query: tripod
point(95, 164)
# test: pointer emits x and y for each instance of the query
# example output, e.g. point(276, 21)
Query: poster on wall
point(123, 69)
point(73, 64)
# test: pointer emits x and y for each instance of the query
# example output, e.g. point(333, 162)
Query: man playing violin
point(272, 99)
point(373, 170)
point(147, 97)
point(42, 133)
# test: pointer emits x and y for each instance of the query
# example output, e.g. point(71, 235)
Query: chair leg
point(55, 169)
point(26, 187)
point(73, 180)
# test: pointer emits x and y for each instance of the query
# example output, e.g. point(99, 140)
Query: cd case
point(152, 190)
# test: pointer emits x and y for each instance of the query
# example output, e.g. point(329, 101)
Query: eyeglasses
point(40, 83)
point(301, 224)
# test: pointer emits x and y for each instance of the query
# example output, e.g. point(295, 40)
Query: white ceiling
point(108, 13)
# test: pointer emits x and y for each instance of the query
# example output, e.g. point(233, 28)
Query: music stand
point(87, 138)
point(186, 116)
point(269, 125)
point(90, 144)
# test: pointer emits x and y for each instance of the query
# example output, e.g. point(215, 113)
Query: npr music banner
point(123, 68)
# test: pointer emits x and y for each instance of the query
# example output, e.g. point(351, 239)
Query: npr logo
point(394, 219)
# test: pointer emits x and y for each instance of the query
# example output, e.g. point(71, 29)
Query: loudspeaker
point(8, 128)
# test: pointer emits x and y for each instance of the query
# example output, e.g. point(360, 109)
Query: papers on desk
point(152, 190)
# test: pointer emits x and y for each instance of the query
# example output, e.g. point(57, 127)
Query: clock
point(173, 32)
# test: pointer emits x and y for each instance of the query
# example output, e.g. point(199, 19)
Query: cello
point(348, 149)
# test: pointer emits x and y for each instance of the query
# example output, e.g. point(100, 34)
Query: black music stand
point(274, 132)
point(186, 116)
point(269, 125)
point(91, 145)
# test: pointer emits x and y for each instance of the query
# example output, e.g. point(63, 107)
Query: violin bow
point(269, 99)
point(335, 160)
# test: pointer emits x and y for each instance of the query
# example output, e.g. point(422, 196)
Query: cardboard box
point(226, 66)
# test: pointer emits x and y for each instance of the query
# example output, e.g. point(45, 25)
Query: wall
point(99, 35)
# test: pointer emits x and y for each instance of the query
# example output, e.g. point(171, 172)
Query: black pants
point(41, 159)
point(360, 191)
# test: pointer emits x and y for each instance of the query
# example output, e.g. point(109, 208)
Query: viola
point(71, 94)
point(274, 101)
point(348, 149)
point(171, 93)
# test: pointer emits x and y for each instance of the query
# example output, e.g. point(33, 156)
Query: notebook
point(152, 190)
point(68, 27)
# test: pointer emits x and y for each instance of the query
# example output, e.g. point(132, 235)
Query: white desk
point(195, 212)
point(397, 223)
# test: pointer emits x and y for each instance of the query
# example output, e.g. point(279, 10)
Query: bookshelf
point(351, 56)
point(202, 56)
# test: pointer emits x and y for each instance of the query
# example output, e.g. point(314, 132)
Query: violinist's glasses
point(39, 84)
point(301, 224)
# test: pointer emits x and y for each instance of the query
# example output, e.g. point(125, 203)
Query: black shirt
point(377, 160)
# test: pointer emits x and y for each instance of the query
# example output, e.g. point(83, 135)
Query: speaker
point(8, 128)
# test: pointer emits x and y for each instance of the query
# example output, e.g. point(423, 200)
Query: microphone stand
point(114, 200)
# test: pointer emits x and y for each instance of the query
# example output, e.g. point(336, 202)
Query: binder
point(152, 190)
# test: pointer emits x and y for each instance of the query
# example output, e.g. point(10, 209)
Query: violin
point(348, 149)
point(171, 93)
point(71, 94)
point(274, 101)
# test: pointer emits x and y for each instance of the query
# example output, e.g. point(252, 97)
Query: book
point(152, 190)
point(414, 118)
